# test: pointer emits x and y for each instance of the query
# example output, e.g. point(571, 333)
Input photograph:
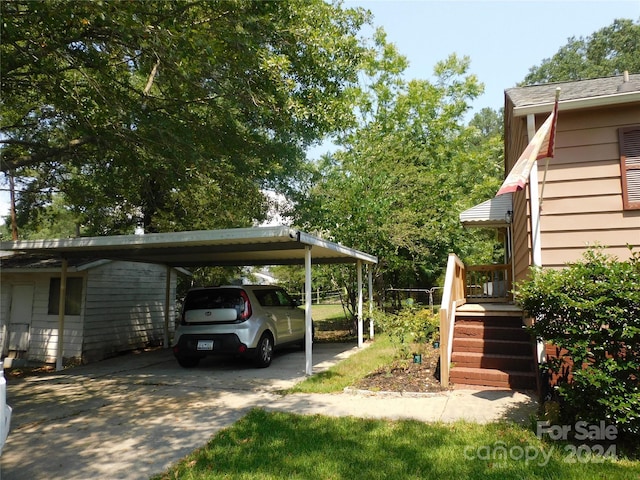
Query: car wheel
point(264, 353)
point(188, 362)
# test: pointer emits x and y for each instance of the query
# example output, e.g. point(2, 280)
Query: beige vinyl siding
point(521, 237)
point(582, 203)
point(561, 257)
point(582, 197)
point(43, 343)
point(515, 142)
point(125, 308)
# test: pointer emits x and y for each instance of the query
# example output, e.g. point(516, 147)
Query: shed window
point(73, 298)
point(630, 166)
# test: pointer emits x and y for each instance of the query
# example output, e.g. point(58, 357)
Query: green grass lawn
point(327, 312)
point(280, 445)
point(346, 373)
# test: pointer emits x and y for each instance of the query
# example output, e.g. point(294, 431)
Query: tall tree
point(174, 112)
point(609, 51)
point(396, 185)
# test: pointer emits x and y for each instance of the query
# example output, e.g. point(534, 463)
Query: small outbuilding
point(111, 306)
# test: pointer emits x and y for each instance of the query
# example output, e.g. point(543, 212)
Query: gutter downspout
point(534, 202)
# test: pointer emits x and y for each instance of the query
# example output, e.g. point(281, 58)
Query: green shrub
point(592, 309)
point(410, 325)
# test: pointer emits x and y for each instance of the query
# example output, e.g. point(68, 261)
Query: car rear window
point(212, 299)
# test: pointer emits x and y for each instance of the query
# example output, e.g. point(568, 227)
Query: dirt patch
point(406, 375)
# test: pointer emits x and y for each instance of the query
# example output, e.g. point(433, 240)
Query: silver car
point(245, 320)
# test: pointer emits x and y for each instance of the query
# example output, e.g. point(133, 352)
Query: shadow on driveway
point(133, 416)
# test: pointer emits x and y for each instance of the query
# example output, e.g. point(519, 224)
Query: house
point(591, 194)
point(111, 307)
point(587, 195)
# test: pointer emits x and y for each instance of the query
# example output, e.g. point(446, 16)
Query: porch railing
point(488, 283)
point(453, 295)
point(479, 283)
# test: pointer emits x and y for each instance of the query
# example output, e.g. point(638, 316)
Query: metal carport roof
point(277, 245)
point(237, 246)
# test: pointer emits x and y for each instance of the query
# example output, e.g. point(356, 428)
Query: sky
point(503, 39)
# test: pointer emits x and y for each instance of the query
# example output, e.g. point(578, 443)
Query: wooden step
point(490, 332)
point(519, 363)
point(493, 321)
point(493, 378)
point(488, 345)
point(489, 309)
point(482, 345)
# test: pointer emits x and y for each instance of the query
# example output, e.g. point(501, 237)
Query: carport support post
point(308, 338)
point(370, 278)
point(61, 307)
point(359, 270)
point(167, 305)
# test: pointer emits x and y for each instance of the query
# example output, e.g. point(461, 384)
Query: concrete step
point(482, 345)
point(493, 378)
point(517, 363)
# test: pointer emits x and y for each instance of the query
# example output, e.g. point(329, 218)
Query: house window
point(73, 298)
point(630, 166)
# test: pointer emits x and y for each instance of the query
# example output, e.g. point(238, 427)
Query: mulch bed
point(407, 376)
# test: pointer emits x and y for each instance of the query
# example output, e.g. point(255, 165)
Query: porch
point(482, 337)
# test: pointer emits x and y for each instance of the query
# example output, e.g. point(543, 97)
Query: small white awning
point(493, 213)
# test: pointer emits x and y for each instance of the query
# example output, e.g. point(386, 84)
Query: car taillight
point(246, 311)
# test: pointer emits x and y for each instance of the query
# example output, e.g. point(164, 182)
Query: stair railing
point(453, 295)
point(489, 283)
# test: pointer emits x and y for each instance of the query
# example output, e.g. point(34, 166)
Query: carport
point(277, 245)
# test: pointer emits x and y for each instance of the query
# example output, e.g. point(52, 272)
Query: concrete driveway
point(133, 416)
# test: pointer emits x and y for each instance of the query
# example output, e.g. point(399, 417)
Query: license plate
point(205, 345)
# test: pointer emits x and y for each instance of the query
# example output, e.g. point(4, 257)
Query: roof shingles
point(582, 89)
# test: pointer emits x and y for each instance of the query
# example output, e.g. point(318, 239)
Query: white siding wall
point(125, 308)
point(122, 309)
point(5, 305)
point(43, 343)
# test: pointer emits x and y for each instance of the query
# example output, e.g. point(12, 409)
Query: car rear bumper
point(223, 344)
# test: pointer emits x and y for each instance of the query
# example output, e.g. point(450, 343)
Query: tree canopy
point(400, 177)
point(175, 114)
point(607, 52)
